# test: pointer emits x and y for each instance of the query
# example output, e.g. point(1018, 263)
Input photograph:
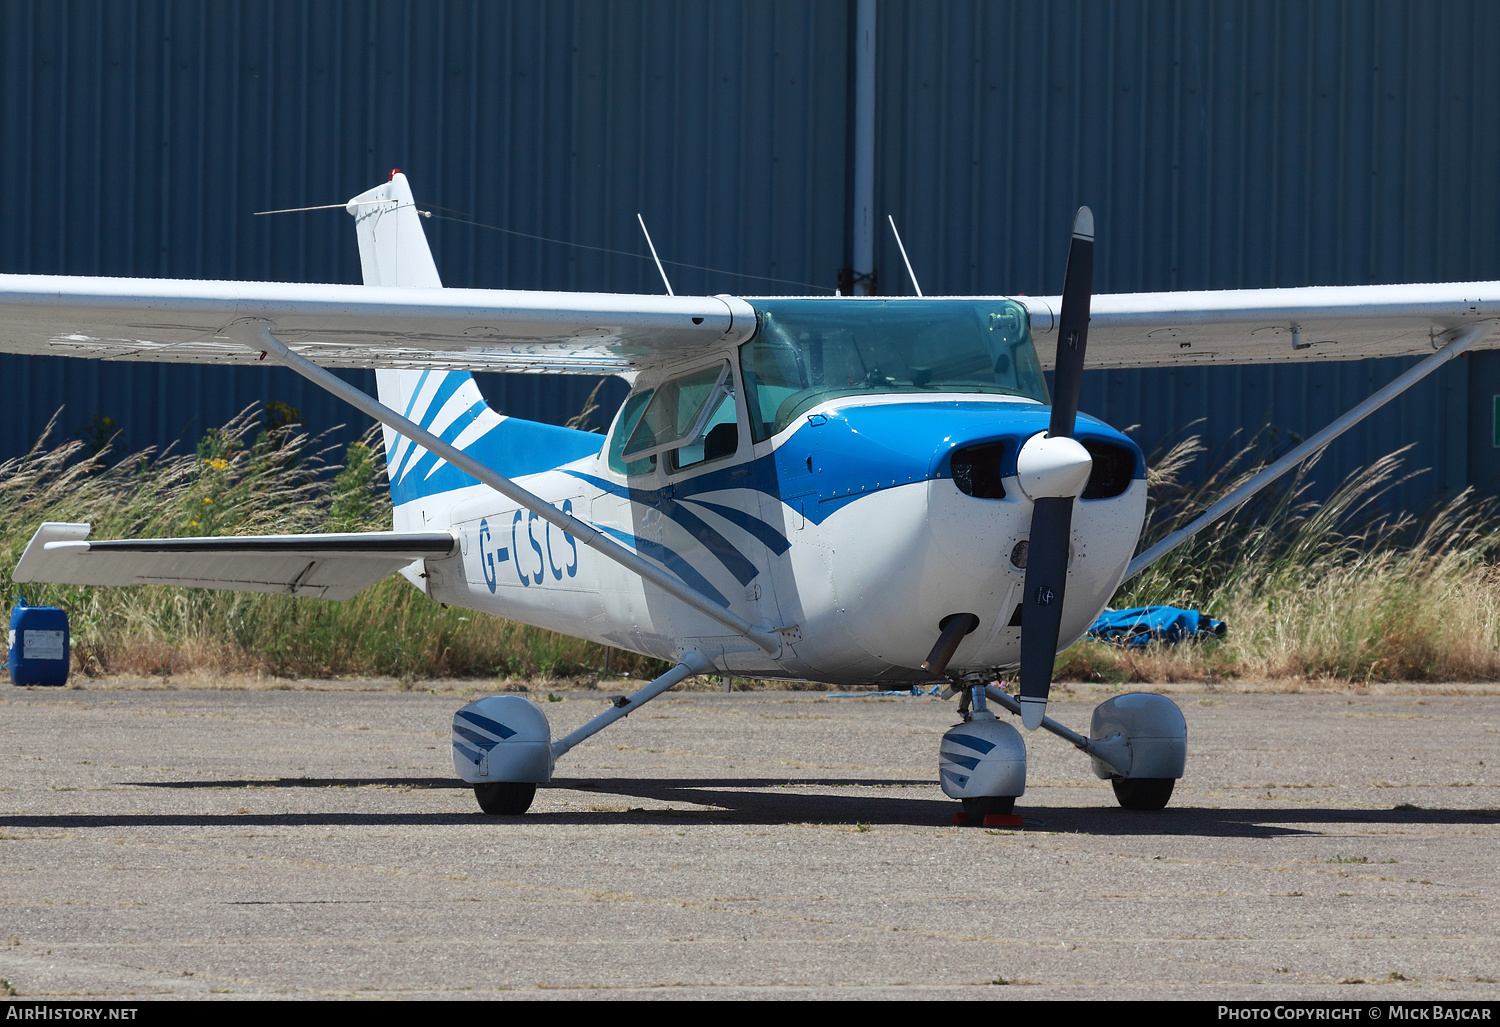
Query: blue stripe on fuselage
point(512, 448)
point(670, 559)
point(664, 500)
point(857, 451)
point(768, 536)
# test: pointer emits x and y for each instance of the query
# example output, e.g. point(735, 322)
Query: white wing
point(328, 566)
point(361, 326)
point(604, 333)
point(1254, 326)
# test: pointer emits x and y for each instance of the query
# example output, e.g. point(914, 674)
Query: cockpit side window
point(719, 437)
point(688, 420)
point(679, 411)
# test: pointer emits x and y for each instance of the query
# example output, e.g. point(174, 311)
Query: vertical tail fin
point(393, 251)
point(392, 246)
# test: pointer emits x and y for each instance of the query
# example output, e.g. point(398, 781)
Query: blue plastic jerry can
point(38, 645)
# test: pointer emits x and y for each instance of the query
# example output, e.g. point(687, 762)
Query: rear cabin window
point(630, 416)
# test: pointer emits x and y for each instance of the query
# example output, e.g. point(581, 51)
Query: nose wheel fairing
point(982, 758)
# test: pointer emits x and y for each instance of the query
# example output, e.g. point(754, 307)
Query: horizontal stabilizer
point(324, 566)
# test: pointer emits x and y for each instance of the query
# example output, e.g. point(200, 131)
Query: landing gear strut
point(502, 744)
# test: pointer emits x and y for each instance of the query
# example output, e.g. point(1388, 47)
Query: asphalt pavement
point(311, 843)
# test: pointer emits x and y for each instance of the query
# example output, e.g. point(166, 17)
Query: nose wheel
point(1143, 793)
point(976, 809)
point(982, 761)
point(505, 798)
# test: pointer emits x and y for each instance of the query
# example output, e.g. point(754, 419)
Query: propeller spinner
point(1053, 468)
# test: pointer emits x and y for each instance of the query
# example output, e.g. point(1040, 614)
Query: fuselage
point(855, 519)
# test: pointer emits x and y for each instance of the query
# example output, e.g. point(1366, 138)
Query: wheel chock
point(1010, 821)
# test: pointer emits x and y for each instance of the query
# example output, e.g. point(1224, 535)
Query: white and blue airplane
point(846, 490)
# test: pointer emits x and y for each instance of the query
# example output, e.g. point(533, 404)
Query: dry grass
point(1331, 591)
point(251, 477)
point(1315, 594)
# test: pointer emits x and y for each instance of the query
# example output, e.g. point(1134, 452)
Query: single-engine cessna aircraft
point(844, 490)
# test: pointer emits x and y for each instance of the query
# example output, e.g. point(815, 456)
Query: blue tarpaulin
point(1136, 627)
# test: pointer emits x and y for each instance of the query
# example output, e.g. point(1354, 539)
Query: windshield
point(805, 351)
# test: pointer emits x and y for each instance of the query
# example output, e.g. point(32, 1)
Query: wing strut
point(257, 334)
point(1464, 340)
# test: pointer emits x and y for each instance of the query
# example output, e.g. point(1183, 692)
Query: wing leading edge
point(1256, 326)
point(182, 321)
point(326, 566)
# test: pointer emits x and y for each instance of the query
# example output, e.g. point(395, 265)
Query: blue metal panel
point(141, 137)
point(1221, 144)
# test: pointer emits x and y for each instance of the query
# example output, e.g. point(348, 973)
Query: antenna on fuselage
point(652, 247)
point(902, 247)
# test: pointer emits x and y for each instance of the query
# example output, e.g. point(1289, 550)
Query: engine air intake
point(978, 471)
point(1113, 468)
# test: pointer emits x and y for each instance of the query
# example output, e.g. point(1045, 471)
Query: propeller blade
point(1052, 515)
point(1073, 326)
point(1041, 622)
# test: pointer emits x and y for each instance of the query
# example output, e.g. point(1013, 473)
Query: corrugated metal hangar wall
point(1221, 145)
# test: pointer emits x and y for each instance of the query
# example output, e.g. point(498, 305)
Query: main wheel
point(505, 798)
point(1144, 793)
point(976, 809)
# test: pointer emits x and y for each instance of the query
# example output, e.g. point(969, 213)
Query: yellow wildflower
point(218, 463)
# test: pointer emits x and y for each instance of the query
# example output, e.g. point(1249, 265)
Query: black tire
point(977, 809)
point(1143, 793)
point(505, 798)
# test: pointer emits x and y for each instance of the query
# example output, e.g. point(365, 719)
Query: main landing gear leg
point(502, 744)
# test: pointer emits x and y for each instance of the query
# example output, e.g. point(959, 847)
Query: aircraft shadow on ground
point(768, 801)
